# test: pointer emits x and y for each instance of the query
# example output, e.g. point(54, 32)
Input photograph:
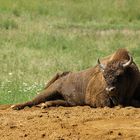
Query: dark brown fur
point(136, 97)
point(88, 87)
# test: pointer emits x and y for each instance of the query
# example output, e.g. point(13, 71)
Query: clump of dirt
point(69, 123)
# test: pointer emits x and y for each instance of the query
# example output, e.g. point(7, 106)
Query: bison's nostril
point(110, 89)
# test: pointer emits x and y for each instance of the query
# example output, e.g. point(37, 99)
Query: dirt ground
point(70, 123)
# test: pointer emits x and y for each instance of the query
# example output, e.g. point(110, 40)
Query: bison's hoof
point(43, 105)
point(15, 107)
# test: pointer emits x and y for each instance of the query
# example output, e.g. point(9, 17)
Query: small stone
point(40, 116)
point(110, 132)
point(25, 135)
point(43, 135)
point(13, 126)
point(29, 118)
point(120, 134)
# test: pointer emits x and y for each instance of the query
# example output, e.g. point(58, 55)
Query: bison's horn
point(129, 62)
point(101, 65)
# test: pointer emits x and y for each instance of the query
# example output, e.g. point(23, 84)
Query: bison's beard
point(113, 101)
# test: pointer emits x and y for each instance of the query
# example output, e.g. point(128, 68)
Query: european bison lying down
point(112, 82)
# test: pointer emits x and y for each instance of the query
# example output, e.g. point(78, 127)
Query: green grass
point(41, 37)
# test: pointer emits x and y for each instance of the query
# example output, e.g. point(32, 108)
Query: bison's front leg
point(47, 95)
point(103, 100)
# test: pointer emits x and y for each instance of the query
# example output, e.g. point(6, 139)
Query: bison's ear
point(101, 66)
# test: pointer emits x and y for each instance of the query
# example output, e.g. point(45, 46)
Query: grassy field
point(41, 37)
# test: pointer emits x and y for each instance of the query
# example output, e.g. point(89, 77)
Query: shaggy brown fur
point(88, 87)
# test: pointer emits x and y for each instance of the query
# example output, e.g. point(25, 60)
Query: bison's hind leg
point(54, 103)
point(49, 94)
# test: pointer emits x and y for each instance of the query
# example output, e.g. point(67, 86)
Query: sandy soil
point(70, 123)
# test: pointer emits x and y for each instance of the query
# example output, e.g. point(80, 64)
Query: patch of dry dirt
point(70, 123)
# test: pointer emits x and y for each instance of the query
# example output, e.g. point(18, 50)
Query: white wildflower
point(24, 84)
point(10, 73)
point(24, 90)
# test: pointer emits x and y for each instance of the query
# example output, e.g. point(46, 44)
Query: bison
point(111, 82)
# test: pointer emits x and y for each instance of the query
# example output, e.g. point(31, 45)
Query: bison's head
point(114, 73)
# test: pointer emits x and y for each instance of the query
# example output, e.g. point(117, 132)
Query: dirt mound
point(69, 123)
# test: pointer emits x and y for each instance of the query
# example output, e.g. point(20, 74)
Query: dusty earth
point(70, 123)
